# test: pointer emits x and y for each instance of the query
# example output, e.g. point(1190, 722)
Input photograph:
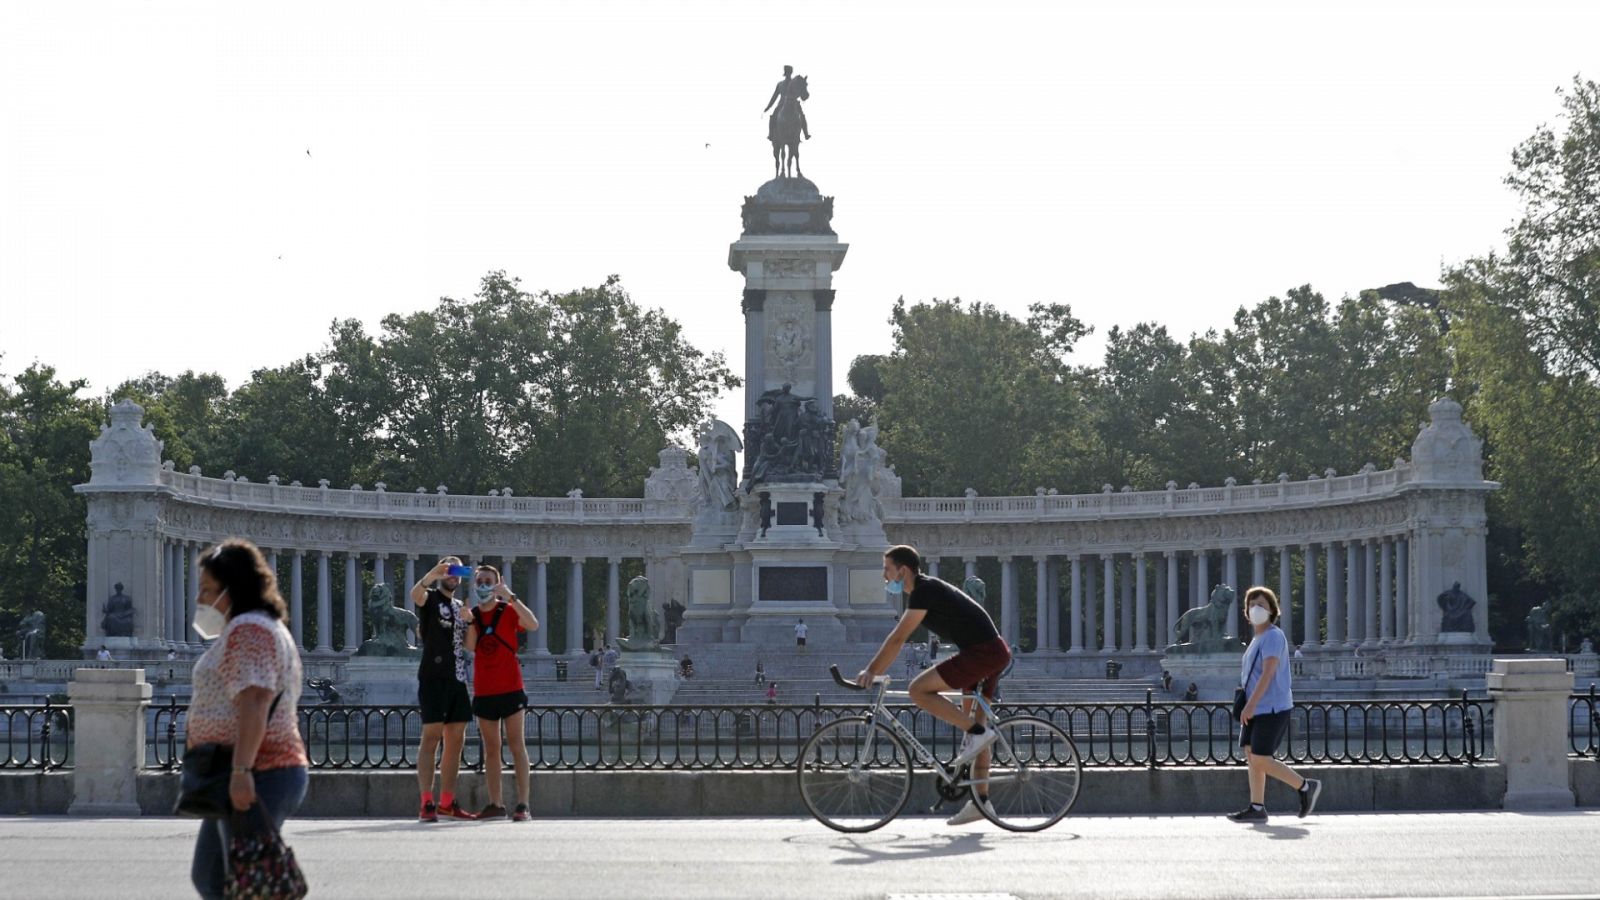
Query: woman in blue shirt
point(1264, 673)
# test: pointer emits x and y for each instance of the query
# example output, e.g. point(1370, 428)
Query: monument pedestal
point(1217, 674)
point(653, 674)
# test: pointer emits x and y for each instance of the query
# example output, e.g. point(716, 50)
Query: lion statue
point(1204, 628)
point(387, 624)
point(644, 620)
point(976, 589)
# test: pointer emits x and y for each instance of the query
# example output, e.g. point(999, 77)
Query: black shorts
point(443, 699)
point(1263, 733)
point(499, 706)
point(799, 642)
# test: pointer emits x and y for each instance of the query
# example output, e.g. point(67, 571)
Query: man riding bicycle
point(981, 657)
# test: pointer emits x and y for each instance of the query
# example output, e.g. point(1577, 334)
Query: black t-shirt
point(444, 652)
point(952, 615)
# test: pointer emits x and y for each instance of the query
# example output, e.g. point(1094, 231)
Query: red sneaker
point(520, 814)
point(429, 813)
point(454, 811)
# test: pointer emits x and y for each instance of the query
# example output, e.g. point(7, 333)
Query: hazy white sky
point(1165, 162)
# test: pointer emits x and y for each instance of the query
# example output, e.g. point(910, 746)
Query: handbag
point(203, 783)
point(260, 865)
point(1240, 698)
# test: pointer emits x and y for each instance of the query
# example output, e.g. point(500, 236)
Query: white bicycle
point(855, 772)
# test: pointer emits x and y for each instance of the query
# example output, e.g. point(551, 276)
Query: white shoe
point(972, 746)
point(968, 814)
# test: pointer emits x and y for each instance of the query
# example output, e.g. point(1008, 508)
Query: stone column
point(380, 571)
point(1041, 601)
point(1403, 591)
point(1230, 577)
point(1158, 605)
point(1172, 597)
point(1369, 593)
point(1312, 615)
point(297, 599)
point(1285, 589)
point(824, 344)
point(324, 602)
point(1008, 600)
point(1108, 563)
point(540, 591)
point(191, 565)
point(1530, 731)
point(613, 600)
point(971, 567)
point(1352, 593)
point(1076, 621)
point(1202, 585)
point(755, 362)
point(1258, 567)
point(411, 578)
point(1141, 609)
point(933, 566)
point(353, 632)
point(108, 709)
point(172, 602)
point(1335, 598)
point(1386, 587)
point(1125, 609)
point(1091, 606)
point(575, 609)
point(1053, 602)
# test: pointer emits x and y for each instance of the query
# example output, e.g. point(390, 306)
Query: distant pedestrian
point(104, 655)
point(761, 673)
point(800, 633)
point(172, 655)
point(772, 693)
point(1193, 692)
point(594, 663)
point(933, 649)
point(1264, 675)
point(1299, 653)
point(246, 691)
point(608, 659)
point(1166, 681)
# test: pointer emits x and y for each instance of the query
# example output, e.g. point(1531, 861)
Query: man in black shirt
point(981, 655)
point(441, 686)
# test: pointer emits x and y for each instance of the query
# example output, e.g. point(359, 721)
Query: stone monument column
point(540, 590)
point(1446, 549)
point(297, 598)
point(1310, 634)
point(1077, 604)
point(124, 537)
point(575, 609)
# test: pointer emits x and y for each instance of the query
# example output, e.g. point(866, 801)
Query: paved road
point(1388, 855)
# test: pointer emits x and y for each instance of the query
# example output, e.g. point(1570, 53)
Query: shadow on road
point(1282, 832)
point(405, 825)
point(862, 849)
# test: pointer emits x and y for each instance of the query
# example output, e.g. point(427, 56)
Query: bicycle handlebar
point(844, 682)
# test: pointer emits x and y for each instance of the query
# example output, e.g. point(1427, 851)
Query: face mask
point(895, 588)
point(208, 620)
point(1259, 615)
point(484, 593)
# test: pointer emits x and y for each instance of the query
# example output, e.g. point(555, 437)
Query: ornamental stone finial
point(1446, 449)
point(194, 470)
point(323, 483)
point(168, 465)
point(273, 480)
point(229, 475)
point(1172, 485)
point(380, 487)
point(126, 452)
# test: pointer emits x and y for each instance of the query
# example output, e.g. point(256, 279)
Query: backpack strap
point(493, 629)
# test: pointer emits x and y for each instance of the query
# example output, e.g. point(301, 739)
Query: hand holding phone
point(460, 571)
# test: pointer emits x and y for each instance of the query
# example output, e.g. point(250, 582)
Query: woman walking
point(1264, 675)
point(246, 689)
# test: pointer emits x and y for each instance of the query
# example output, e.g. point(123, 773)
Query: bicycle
point(855, 772)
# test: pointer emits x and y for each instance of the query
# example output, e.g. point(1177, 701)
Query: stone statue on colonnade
point(388, 625)
point(117, 620)
point(644, 622)
point(1204, 628)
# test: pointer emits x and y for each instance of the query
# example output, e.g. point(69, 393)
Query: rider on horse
point(784, 94)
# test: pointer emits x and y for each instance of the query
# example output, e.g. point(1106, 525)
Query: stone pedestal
point(1217, 674)
point(1530, 731)
point(654, 675)
point(108, 740)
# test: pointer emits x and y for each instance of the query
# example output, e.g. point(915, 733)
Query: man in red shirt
point(499, 700)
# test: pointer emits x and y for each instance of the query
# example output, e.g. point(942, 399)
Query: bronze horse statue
point(785, 130)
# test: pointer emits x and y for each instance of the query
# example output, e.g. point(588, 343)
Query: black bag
point(203, 784)
point(260, 865)
point(1240, 698)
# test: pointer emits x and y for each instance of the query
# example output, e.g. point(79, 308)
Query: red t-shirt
point(495, 666)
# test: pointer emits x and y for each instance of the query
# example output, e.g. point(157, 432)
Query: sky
point(208, 186)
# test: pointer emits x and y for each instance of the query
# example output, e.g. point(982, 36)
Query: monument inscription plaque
point(793, 584)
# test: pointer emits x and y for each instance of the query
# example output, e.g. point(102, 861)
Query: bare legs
point(452, 735)
point(927, 692)
point(1261, 767)
point(508, 729)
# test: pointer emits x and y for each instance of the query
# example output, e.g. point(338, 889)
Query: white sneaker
point(968, 814)
point(972, 746)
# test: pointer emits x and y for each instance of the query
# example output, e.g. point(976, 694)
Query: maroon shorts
point(980, 664)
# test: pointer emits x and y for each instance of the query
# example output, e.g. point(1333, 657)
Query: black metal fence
point(706, 737)
point(1583, 723)
point(37, 736)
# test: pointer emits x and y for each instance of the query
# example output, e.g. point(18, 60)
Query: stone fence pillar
point(1530, 731)
point(108, 708)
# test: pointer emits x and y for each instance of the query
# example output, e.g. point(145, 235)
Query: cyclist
point(981, 657)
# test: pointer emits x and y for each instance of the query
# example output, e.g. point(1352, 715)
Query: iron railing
point(742, 736)
point(1583, 723)
point(37, 736)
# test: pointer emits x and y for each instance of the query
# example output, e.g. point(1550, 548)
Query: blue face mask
point(895, 587)
point(483, 592)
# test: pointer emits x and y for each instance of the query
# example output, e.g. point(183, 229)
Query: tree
point(45, 430)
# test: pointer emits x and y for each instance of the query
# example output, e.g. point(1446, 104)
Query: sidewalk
point(1351, 855)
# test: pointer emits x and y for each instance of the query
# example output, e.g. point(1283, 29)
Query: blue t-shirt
point(1263, 646)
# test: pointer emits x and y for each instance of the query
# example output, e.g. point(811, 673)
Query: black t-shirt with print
point(443, 653)
point(952, 615)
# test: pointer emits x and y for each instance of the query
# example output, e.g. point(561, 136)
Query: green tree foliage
point(45, 430)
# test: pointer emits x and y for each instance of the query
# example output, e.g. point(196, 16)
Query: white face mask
point(208, 620)
point(1259, 615)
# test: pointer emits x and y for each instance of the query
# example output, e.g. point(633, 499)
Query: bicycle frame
point(920, 752)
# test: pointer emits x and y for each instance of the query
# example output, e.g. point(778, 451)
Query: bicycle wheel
point(1033, 776)
point(854, 775)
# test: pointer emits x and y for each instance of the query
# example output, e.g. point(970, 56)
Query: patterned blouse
point(254, 650)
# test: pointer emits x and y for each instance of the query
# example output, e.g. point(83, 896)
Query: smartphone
point(460, 571)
